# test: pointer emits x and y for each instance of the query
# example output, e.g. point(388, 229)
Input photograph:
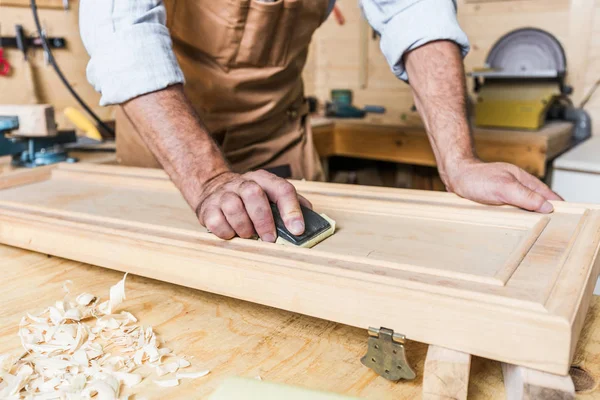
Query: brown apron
point(243, 61)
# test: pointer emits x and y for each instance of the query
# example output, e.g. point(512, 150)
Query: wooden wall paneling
point(496, 282)
point(486, 23)
point(363, 52)
point(73, 62)
point(56, 4)
point(592, 75)
point(576, 25)
point(581, 17)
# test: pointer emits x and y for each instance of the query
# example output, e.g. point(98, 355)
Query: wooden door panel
point(497, 282)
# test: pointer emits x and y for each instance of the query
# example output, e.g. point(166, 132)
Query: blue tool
point(33, 151)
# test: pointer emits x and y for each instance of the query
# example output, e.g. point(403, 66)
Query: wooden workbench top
point(236, 338)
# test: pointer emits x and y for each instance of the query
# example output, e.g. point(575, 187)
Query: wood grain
point(237, 338)
point(436, 255)
point(446, 374)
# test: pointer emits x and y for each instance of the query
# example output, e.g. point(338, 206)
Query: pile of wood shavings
point(66, 357)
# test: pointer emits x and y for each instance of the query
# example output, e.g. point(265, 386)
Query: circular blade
point(527, 49)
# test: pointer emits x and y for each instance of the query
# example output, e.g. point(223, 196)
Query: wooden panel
point(491, 281)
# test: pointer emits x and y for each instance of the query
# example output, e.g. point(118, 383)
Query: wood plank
point(34, 120)
point(457, 268)
point(446, 374)
point(527, 384)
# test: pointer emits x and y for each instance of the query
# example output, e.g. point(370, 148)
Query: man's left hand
point(499, 183)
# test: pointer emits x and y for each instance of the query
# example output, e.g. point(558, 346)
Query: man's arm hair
point(437, 79)
point(179, 140)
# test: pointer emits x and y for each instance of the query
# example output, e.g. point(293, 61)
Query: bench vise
point(33, 151)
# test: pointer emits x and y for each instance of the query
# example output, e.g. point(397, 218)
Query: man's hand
point(500, 183)
point(437, 79)
point(225, 202)
point(232, 204)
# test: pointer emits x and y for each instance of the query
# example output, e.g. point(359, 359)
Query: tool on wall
point(27, 65)
point(23, 43)
point(33, 151)
point(523, 84)
point(4, 64)
point(12, 42)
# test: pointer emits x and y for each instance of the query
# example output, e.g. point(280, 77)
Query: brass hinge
point(386, 355)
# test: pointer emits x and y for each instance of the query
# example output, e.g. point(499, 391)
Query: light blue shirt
point(131, 50)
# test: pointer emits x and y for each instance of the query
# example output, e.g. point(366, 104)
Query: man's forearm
point(437, 79)
point(172, 130)
point(436, 75)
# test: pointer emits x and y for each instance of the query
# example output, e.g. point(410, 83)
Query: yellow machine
point(522, 81)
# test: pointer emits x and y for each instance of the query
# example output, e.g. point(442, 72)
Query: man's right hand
point(232, 204)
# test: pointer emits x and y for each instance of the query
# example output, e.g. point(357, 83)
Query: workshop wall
point(341, 56)
point(348, 56)
point(18, 87)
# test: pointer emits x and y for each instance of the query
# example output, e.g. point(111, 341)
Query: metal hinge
point(386, 355)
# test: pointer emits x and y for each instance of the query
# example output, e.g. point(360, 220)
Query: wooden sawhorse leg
point(523, 383)
point(446, 374)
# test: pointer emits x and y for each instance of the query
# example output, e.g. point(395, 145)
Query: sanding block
point(318, 227)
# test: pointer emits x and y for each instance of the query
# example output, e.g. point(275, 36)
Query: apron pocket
point(259, 29)
point(210, 27)
point(283, 34)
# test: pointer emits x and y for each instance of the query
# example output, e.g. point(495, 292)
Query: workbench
point(237, 338)
point(376, 138)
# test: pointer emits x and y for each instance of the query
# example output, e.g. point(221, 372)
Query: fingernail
point(268, 237)
point(546, 207)
point(297, 227)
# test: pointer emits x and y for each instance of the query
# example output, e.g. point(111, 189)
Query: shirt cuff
point(133, 62)
point(423, 22)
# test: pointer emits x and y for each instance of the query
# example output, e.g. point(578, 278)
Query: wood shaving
point(191, 375)
point(83, 349)
point(167, 382)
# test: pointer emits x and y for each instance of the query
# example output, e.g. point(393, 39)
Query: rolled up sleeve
point(405, 25)
point(129, 46)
